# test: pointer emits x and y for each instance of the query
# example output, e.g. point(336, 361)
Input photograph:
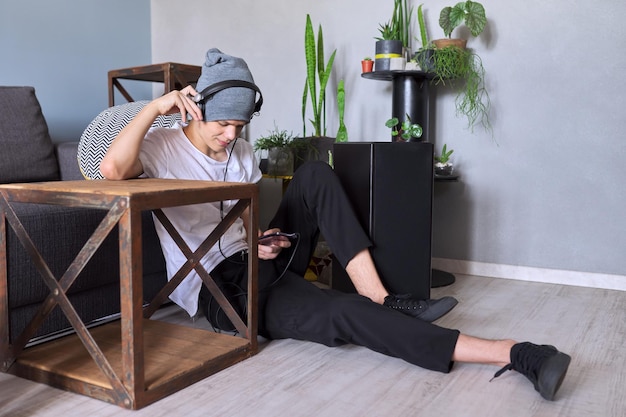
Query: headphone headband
point(206, 94)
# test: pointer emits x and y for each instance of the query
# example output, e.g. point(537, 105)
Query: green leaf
point(422, 26)
point(475, 18)
point(320, 50)
point(324, 77)
point(309, 50)
point(392, 122)
point(304, 97)
point(457, 16)
point(444, 21)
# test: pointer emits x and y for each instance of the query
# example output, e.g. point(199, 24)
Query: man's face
point(212, 138)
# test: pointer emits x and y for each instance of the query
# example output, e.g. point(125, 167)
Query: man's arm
point(122, 158)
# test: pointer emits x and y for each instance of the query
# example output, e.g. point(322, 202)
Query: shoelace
point(404, 302)
point(505, 368)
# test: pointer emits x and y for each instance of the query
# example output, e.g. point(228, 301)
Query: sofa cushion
point(27, 151)
point(98, 136)
point(67, 155)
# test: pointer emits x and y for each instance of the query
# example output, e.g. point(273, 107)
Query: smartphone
point(271, 238)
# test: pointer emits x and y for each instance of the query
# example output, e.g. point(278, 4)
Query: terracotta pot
point(367, 65)
point(442, 43)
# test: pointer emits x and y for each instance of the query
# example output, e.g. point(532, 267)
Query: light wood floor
point(290, 378)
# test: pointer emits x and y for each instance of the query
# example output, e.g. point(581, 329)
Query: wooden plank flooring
point(306, 379)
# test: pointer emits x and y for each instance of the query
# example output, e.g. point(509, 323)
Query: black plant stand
point(411, 96)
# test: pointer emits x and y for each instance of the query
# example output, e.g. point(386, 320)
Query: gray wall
point(545, 191)
point(64, 48)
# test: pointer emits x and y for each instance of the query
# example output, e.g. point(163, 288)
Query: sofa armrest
point(68, 163)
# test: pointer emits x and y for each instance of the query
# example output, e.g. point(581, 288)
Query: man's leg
point(315, 201)
point(543, 365)
point(476, 350)
point(298, 309)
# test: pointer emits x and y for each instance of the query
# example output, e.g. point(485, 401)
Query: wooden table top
point(152, 191)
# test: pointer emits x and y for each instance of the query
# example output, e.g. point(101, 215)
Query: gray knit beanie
point(234, 103)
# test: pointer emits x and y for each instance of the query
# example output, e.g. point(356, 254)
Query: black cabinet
point(390, 185)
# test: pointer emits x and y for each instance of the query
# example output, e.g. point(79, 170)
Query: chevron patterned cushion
point(98, 136)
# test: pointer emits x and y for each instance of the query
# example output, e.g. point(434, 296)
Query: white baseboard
point(525, 273)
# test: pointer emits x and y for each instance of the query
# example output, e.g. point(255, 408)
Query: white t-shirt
point(168, 153)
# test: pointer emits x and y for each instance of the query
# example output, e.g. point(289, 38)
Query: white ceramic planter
point(397, 64)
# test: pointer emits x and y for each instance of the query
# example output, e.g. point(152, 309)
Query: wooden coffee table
point(134, 361)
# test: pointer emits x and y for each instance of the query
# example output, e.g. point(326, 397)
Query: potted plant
point(402, 16)
point(281, 148)
point(388, 45)
point(455, 64)
point(443, 166)
point(424, 55)
point(367, 65)
point(405, 131)
point(471, 13)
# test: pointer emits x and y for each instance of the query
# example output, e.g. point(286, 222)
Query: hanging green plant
point(464, 69)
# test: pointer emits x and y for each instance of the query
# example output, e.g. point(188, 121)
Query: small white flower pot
point(397, 64)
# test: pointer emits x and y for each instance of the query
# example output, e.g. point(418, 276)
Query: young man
point(290, 307)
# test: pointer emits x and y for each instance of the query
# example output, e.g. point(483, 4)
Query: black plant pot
point(317, 150)
point(426, 59)
point(385, 50)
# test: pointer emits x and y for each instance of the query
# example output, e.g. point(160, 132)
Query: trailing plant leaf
point(473, 101)
point(450, 63)
point(464, 69)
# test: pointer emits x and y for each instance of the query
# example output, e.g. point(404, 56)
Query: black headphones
point(208, 93)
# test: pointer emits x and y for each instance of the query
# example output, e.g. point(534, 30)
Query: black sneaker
point(426, 310)
point(543, 365)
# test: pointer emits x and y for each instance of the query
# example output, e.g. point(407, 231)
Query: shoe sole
point(438, 310)
point(552, 374)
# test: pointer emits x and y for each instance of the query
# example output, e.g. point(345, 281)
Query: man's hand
point(121, 160)
point(179, 101)
point(270, 250)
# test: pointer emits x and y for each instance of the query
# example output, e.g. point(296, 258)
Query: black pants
point(295, 308)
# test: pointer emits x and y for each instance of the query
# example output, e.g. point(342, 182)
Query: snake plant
point(315, 66)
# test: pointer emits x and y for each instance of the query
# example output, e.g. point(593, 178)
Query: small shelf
point(172, 353)
point(391, 75)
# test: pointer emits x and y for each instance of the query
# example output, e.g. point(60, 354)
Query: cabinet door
point(390, 185)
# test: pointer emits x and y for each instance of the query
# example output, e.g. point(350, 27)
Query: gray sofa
point(27, 154)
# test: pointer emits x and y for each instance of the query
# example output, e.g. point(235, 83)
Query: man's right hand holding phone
point(272, 242)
